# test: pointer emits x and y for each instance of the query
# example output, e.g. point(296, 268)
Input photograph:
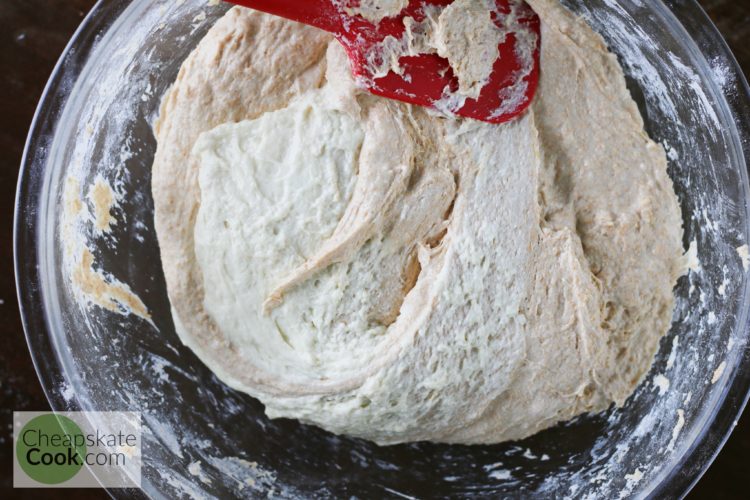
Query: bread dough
point(467, 33)
point(376, 10)
point(379, 271)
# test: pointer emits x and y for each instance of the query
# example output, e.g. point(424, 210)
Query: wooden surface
point(33, 33)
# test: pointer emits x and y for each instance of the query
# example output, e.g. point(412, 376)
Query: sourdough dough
point(379, 271)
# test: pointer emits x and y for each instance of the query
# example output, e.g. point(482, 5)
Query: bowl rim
point(26, 233)
point(693, 21)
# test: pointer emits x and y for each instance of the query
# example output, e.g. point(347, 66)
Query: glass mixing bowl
point(202, 438)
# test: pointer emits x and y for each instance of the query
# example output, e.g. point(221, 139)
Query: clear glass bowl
point(94, 119)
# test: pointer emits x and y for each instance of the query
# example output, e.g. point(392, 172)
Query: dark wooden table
point(33, 33)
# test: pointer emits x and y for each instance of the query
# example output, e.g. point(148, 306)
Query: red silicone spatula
point(427, 79)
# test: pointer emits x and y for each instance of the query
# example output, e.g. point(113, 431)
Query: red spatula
point(428, 79)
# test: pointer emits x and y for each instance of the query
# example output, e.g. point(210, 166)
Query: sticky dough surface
point(382, 272)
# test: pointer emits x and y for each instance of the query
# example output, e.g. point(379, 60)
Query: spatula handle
point(319, 13)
